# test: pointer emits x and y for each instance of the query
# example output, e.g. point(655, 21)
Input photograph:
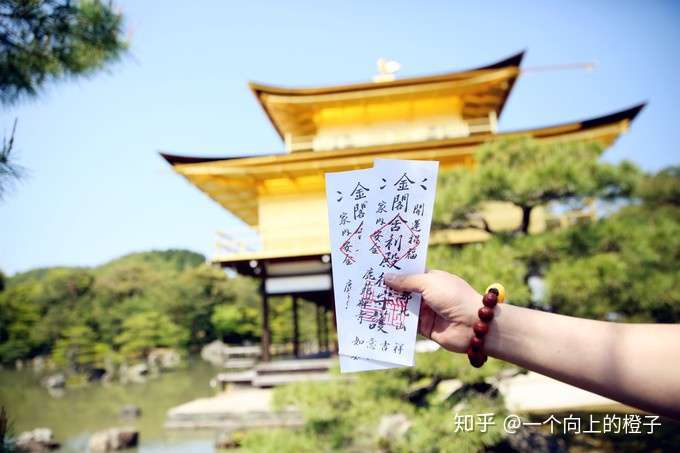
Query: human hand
point(448, 308)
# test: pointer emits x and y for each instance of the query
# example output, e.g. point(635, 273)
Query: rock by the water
point(134, 373)
point(393, 427)
point(130, 411)
point(39, 363)
point(164, 358)
point(216, 353)
point(114, 439)
point(36, 441)
point(56, 381)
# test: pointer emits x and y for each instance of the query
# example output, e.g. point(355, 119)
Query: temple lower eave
point(281, 198)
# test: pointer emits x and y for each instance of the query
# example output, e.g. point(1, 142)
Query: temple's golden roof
point(236, 183)
point(302, 111)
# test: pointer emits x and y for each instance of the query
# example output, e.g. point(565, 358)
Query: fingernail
point(389, 278)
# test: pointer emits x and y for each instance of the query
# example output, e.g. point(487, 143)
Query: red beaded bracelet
point(494, 294)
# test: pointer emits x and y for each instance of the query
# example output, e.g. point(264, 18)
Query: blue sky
point(97, 188)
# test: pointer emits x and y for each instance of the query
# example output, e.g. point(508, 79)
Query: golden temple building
point(280, 198)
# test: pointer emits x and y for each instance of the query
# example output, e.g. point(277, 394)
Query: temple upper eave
point(510, 62)
point(499, 76)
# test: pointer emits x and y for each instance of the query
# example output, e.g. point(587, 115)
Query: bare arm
point(636, 364)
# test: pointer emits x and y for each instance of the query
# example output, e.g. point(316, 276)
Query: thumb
point(413, 282)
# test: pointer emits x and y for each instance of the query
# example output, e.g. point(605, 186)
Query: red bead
point(490, 299)
point(485, 314)
point(476, 358)
point(476, 343)
point(480, 328)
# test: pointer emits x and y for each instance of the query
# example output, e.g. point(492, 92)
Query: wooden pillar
point(296, 331)
point(322, 329)
point(335, 329)
point(266, 334)
point(326, 335)
point(334, 321)
point(318, 327)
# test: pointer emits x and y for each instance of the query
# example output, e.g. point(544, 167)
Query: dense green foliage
point(623, 266)
point(626, 266)
point(43, 40)
point(94, 317)
point(78, 348)
point(344, 414)
point(119, 311)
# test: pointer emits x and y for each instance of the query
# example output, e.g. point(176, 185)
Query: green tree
point(344, 415)
point(528, 174)
point(199, 291)
point(144, 331)
point(61, 296)
point(19, 315)
point(39, 306)
point(146, 280)
point(625, 266)
point(235, 323)
point(44, 40)
point(79, 351)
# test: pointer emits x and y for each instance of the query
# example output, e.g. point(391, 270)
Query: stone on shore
point(164, 358)
point(55, 381)
point(137, 373)
point(114, 439)
point(37, 441)
point(215, 353)
point(39, 363)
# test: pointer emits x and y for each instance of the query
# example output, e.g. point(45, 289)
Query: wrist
point(470, 309)
point(504, 335)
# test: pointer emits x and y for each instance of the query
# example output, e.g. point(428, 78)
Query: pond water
point(76, 415)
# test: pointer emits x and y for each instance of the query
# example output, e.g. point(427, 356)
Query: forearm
point(636, 364)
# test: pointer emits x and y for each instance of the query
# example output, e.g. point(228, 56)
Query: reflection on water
point(82, 411)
